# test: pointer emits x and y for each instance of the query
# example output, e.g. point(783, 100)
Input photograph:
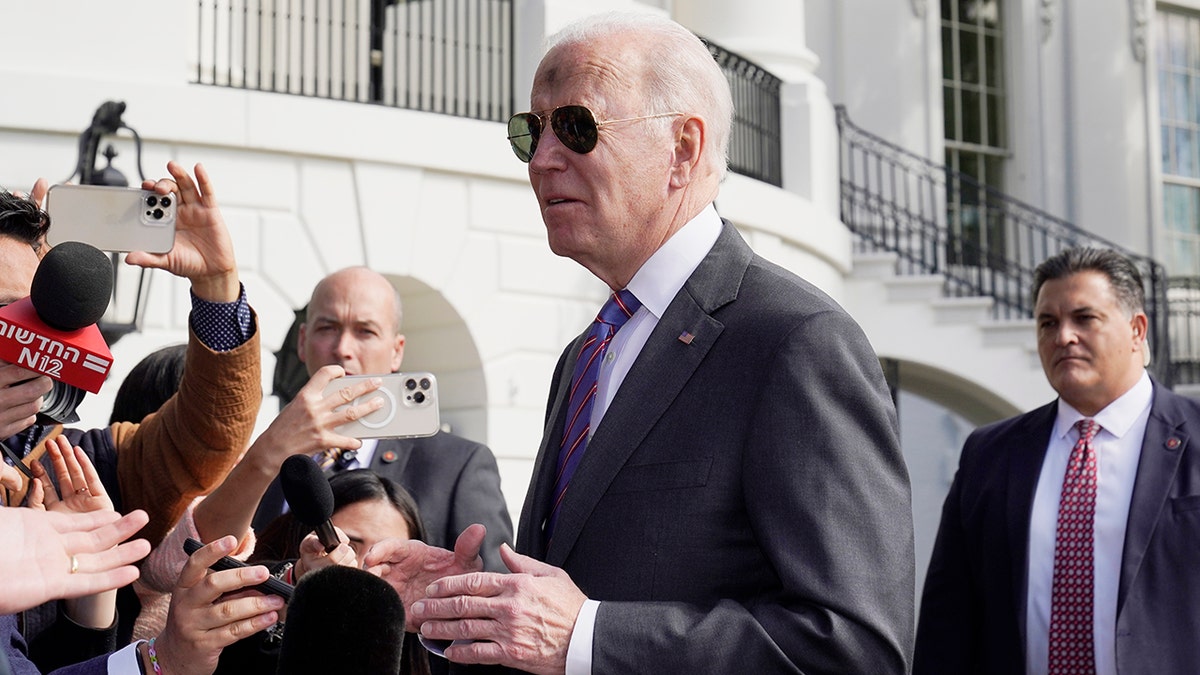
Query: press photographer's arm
point(189, 445)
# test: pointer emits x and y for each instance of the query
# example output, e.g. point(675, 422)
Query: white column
point(771, 34)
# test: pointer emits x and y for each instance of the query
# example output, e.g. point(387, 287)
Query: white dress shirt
point(1118, 447)
point(655, 285)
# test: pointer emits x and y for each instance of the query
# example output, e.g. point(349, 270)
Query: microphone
point(309, 497)
point(53, 331)
point(343, 620)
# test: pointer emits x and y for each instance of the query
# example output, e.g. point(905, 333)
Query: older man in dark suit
point(720, 487)
point(1068, 542)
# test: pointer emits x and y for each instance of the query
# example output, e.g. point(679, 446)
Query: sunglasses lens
point(524, 130)
point(575, 126)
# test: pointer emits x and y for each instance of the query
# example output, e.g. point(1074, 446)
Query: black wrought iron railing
point(755, 141)
point(1183, 303)
point(981, 241)
point(444, 56)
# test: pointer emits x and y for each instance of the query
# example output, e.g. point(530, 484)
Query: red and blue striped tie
point(613, 315)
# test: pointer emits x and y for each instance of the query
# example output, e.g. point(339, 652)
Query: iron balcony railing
point(1183, 302)
point(444, 56)
point(981, 241)
point(755, 141)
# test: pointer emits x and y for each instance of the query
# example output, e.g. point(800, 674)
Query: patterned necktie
point(613, 315)
point(1072, 601)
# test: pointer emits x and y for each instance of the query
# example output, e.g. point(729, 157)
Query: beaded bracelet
point(153, 657)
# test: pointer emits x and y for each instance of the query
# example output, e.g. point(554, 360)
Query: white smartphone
point(410, 406)
point(111, 218)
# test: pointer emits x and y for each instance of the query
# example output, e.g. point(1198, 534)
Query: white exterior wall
point(439, 204)
point(308, 186)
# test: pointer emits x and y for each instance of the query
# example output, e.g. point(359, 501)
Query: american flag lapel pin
point(686, 337)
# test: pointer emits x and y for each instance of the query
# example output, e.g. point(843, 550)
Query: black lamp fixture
point(130, 285)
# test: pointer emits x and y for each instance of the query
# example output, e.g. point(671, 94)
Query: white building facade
point(322, 159)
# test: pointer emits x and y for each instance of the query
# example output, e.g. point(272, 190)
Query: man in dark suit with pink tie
point(719, 487)
point(1069, 539)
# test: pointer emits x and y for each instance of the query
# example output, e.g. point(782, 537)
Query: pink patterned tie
point(619, 308)
point(1072, 595)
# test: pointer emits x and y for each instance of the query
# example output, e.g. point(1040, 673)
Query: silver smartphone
point(111, 218)
point(410, 407)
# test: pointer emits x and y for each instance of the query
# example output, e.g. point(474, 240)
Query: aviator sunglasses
point(574, 125)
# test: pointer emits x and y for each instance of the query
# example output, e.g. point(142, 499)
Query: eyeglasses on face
point(574, 125)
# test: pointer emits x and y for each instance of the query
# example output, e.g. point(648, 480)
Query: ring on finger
point(74, 564)
point(82, 490)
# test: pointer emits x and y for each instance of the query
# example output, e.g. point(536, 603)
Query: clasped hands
point(523, 619)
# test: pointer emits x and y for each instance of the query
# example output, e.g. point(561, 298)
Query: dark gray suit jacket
point(744, 506)
point(973, 605)
point(454, 481)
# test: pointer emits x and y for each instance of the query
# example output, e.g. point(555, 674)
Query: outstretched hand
point(66, 555)
point(203, 250)
point(410, 566)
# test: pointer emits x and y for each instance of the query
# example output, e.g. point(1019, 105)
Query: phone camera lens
point(165, 202)
point(152, 200)
point(419, 397)
point(424, 382)
point(158, 214)
point(410, 384)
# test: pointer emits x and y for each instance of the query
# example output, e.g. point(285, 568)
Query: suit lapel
point(401, 448)
point(660, 372)
point(1025, 466)
point(1162, 448)
point(534, 512)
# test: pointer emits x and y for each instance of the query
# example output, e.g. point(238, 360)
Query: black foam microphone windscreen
point(343, 620)
point(309, 496)
point(72, 286)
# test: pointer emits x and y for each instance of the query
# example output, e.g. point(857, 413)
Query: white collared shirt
point(1118, 447)
point(655, 285)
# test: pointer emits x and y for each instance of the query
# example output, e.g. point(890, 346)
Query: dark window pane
point(968, 54)
point(972, 130)
point(995, 121)
point(967, 11)
point(946, 10)
point(947, 54)
point(951, 119)
point(994, 167)
point(995, 63)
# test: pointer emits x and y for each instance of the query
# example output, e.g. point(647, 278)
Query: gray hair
point(1122, 274)
point(681, 75)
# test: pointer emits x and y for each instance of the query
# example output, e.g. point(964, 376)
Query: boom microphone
point(309, 497)
point(53, 331)
point(343, 620)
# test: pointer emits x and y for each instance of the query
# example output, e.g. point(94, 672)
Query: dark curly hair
point(21, 219)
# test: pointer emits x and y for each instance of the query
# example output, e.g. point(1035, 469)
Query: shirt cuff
point(124, 661)
point(222, 326)
point(579, 651)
